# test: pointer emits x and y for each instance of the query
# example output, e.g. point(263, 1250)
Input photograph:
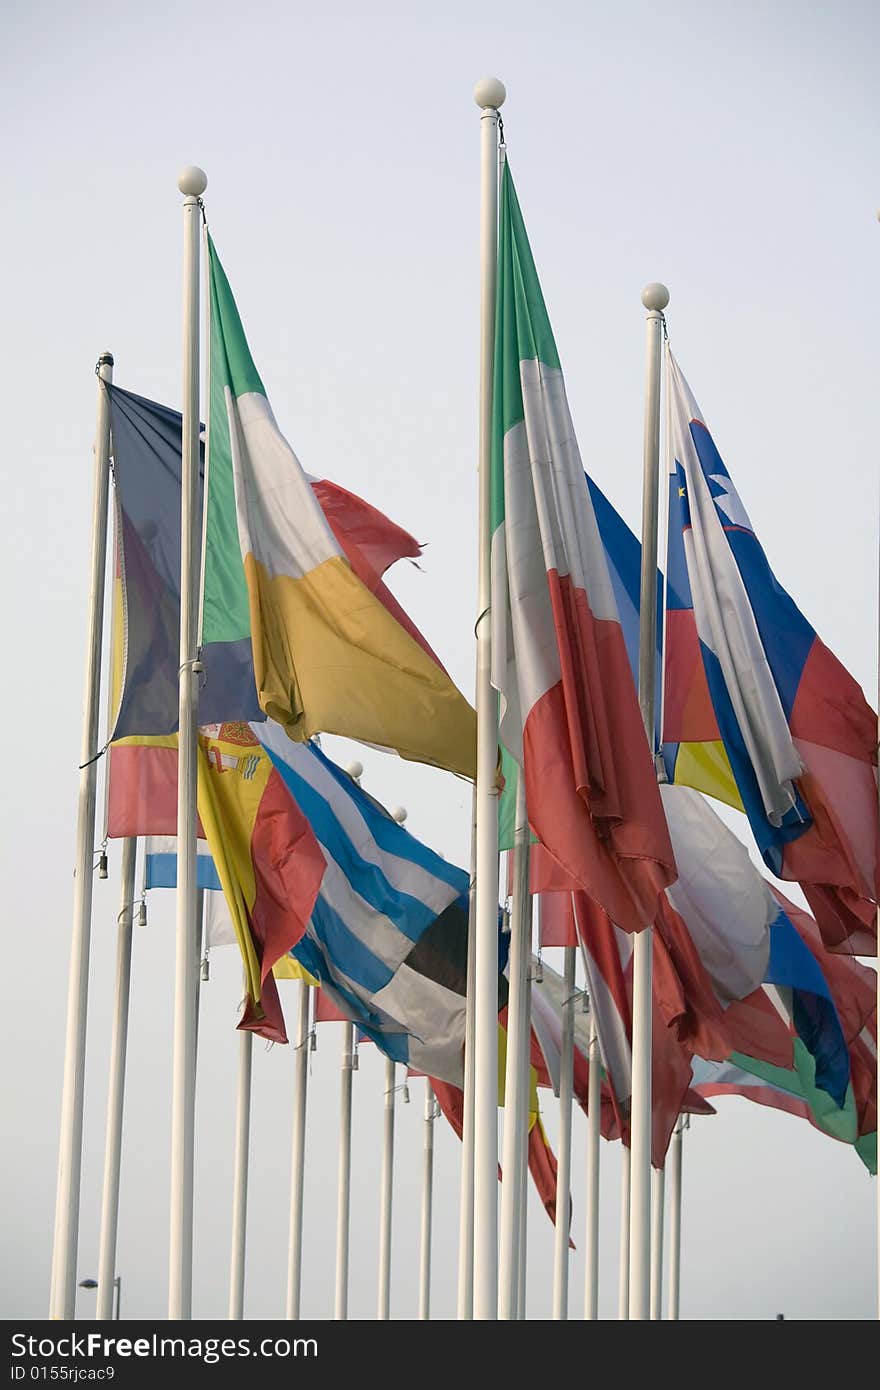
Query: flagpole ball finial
point(655, 296)
point(399, 814)
point(192, 181)
point(355, 769)
point(489, 91)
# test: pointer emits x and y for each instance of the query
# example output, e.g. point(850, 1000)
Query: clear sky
point(728, 150)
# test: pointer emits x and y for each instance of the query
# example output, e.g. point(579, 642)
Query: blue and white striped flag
point(388, 933)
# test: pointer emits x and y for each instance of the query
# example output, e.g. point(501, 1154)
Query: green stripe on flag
point(522, 330)
point(800, 1081)
point(226, 611)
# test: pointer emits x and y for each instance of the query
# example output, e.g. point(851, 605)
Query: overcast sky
point(728, 150)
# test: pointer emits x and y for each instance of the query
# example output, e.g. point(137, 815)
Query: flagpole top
point(655, 296)
point(192, 181)
point(399, 814)
point(490, 92)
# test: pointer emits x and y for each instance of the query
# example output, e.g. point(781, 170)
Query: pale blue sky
point(728, 150)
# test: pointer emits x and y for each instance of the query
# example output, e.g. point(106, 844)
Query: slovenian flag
point(570, 714)
point(780, 726)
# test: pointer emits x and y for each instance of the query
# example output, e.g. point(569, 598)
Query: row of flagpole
point(485, 1291)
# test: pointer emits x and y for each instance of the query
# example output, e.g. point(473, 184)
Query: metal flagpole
point(516, 1087)
point(192, 183)
point(489, 95)
point(623, 1278)
point(563, 1171)
point(675, 1220)
point(387, 1192)
point(343, 1200)
point(524, 1067)
point(657, 1213)
point(465, 1308)
point(427, 1204)
point(655, 298)
point(116, 1087)
point(240, 1174)
point(298, 1162)
point(66, 1238)
point(594, 1108)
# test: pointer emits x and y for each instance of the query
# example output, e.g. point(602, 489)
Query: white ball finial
point(398, 813)
point(192, 181)
point(655, 296)
point(355, 769)
point(490, 91)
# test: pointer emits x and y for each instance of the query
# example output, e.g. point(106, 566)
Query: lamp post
point(117, 1289)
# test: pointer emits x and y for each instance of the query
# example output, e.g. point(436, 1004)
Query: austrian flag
point(570, 713)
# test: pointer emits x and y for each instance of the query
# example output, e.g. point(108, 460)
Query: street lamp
point(117, 1289)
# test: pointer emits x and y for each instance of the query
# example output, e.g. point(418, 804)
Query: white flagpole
point(591, 1240)
point(489, 95)
point(623, 1277)
point(192, 183)
point(516, 1087)
point(657, 1213)
point(563, 1170)
point(298, 1161)
point(240, 1174)
point(343, 1199)
point(384, 1282)
point(675, 1221)
point(427, 1204)
point(465, 1308)
point(116, 1088)
point(66, 1239)
point(655, 298)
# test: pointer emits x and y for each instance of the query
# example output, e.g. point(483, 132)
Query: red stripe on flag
point(591, 787)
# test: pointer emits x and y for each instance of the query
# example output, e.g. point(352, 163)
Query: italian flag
point(569, 709)
point(332, 652)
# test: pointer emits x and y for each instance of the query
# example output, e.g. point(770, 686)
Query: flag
point(747, 675)
point(388, 933)
point(160, 864)
point(146, 472)
point(267, 858)
point(328, 655)
point(790, 1091)
point(570, 715)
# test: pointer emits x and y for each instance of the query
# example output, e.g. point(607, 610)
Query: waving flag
point(387, 939)
point(328, 654)
point(570, 716)
point(747, 675)
point(146, 458)
point(267, 859)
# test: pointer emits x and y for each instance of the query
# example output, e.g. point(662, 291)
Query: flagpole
point(516, 1090)
point(192, 183)
point(343, 1198)
point(591, 1242)
point(563, 1170)
point(66, 1238)
point(623, 1277)
point(240, 1174)
point(384, 1281)
point(657, 1213)
point(675, 1221)
point(489, 95)
point(116, 1087)
point(465, 1308)
point(297, 1167)
point(427, 1204)
point(655, 298)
